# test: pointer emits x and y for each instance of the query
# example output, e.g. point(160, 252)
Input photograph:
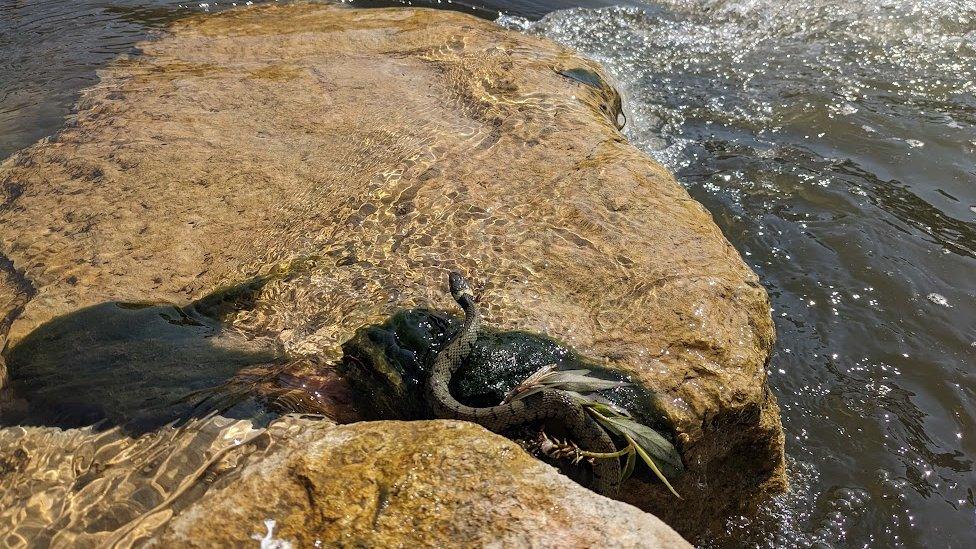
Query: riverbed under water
point(834, 143)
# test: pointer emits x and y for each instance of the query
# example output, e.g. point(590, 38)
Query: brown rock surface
point(411, 484)
point(15, 291)
point(378, 149)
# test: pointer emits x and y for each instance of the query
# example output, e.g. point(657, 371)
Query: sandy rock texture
point(370, 151)
point(411, 484)
point(15, 291)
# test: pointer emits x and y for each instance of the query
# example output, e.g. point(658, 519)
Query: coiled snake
point(549, 404)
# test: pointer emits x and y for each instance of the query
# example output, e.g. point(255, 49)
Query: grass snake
point(550, 404)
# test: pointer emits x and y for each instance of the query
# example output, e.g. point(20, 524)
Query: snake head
point(459, 286)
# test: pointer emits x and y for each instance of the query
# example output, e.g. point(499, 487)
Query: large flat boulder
point(365, 153)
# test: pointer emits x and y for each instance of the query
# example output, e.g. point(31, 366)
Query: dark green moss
point(387, 365)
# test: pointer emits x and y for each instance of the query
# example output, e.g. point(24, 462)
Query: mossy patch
point(388, 364)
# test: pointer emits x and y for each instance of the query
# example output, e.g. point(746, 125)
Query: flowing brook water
point(835, 144)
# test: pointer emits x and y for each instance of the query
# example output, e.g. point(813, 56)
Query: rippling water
point(835, 144)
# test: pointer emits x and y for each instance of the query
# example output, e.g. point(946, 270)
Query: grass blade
point(629, 466)
point(650, 463)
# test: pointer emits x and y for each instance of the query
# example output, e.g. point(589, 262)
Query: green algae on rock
point(387, 365)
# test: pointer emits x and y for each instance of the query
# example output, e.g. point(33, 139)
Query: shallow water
point(834, 143)
point(130, 365)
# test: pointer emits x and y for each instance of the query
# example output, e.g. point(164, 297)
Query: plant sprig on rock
point(641, 440)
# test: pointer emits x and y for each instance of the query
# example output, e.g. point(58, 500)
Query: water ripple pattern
point(833, 142)
point(147, 480)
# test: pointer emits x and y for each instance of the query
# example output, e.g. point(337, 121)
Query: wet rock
point(379, 149)
point(88, 488)
point(388, 365)
point(415, 484)
point(392, 360)
point(15, 292)
point(143, 365)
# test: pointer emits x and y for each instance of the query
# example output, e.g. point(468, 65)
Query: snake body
point(546, 405)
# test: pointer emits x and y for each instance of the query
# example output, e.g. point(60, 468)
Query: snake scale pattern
point(546, 405)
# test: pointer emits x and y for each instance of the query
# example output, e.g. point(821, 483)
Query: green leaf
point(579, 381)
point(579, 372)
point(539, 375)
point(570, 381)
point(650, 463)
point(531, 384)
point(523, 394)
point(603, 409)
point(643, 439)
point(629, 466)
point(649, 440)
point(611, 408)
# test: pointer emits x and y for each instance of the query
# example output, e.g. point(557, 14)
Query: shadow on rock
point(141, 366)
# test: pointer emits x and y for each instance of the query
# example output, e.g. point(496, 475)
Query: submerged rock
point(125, 364)
point(379, 148)
point(88, 488)
point(143, 365)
